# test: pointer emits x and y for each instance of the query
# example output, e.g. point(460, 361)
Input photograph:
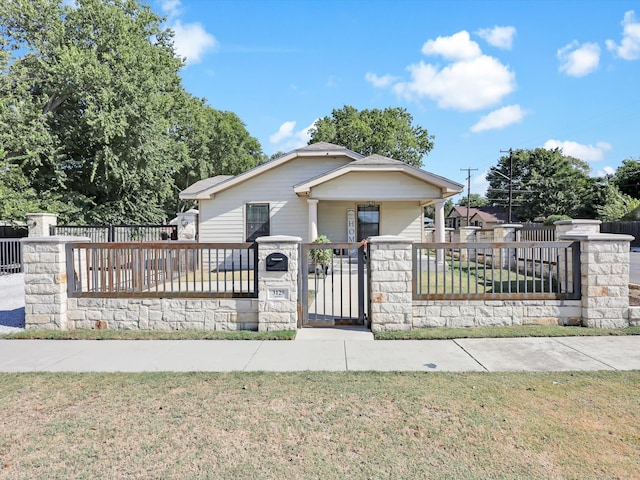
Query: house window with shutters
point(257, 220)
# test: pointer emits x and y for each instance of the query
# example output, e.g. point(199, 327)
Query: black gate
point(334, 287)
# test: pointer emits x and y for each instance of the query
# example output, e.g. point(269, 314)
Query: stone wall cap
point(508, 225)
point(279, 239)
point(54, 239)
point(389, 239)
point(578, 221)
point(471, 227)
point(597, 237)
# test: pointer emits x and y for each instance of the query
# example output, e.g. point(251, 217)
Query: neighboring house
point(320, 189)
point(483, 217)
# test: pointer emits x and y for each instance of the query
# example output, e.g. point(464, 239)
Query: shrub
point(321, 257)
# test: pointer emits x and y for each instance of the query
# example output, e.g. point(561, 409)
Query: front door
point(368, 221)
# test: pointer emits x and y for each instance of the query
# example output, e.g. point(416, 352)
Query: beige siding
point(375, 186)
point(222, 219)
point(332, 220)
point(401, 218)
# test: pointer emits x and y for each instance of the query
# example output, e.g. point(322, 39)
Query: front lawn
point(320, 425)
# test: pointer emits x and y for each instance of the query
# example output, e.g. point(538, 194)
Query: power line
point(468, 170)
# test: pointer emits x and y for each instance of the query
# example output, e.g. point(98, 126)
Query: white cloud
point(500, 118)
point(287, 139)
point(456, 47)
point(501, 37)
point(588, 153)
point(171, 7)
point(579, 60)
point(466, 85)
point(379, 82)
point(192, 41)
point(629, 48)
point(471, 81)
point(604, 172)
point(285, 131)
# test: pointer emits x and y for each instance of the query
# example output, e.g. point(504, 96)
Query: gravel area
point(11, 303)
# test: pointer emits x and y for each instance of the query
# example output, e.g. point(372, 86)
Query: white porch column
point(313, 219)
point(439, 221)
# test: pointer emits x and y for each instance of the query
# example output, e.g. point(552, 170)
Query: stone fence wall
point(604, 289)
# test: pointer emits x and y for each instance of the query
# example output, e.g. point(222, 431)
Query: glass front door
point(368, 221)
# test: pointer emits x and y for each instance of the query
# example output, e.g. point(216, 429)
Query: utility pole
point(510, 151)
point(468, 170)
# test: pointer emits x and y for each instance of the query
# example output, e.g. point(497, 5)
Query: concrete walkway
point(322, 350)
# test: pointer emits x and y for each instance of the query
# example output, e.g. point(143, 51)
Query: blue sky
point(482, 76)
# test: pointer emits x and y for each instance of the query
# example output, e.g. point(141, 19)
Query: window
point(368, 221)
point(257, 220)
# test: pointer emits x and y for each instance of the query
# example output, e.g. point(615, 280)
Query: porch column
point(313, 219)
point(439, 221)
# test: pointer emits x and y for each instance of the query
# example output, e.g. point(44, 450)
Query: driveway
point(634, 270)
point(11, 302)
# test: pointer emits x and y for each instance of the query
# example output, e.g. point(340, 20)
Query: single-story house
point(320, 189)
point(483, 217)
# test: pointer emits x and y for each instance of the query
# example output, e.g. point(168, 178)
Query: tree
point(209, 142)
point(618, 206)
point(93, 116)
point(544, 182)
point(474, 200)
point(387, 132)
point(627, 178)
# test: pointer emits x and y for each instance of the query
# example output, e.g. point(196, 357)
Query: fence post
point(277, 290)
point(604, 263)
point(187, 223)
point(45, 281)
point(391, 274)
point(506, 232)
point(40, 223)
point(564, 227)
point(467, 235)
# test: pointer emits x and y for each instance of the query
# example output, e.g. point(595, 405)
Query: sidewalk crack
point(468, 353)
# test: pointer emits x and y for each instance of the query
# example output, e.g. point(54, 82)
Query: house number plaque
point(278, 294)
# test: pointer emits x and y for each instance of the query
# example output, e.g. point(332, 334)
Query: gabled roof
point(203, 185)
point(313, 150)
point(486, 214)
point(379, 163)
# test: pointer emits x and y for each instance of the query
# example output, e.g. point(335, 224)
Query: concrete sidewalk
point(322, 354)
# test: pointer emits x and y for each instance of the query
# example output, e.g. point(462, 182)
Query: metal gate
point(334, 284)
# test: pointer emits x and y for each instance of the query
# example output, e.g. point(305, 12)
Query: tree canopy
point(544, 182)
point(627, 177)
point(389, 132)
point(94, 122)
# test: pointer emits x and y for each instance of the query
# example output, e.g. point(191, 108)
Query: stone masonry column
point(278, 290)
point(604, 263)
point(187, 224)
point(564, 227)
point(390, 271)
point(39, 223)
point(45, 282)
point(467, 235)
point(506, 233)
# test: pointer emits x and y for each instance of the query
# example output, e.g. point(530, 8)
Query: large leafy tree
point(544, 182)
point(389, 132)
point(94, 122)
point(627, 178)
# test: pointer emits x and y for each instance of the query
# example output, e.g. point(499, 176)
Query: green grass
point(86, 334)
point(442, 333)
point(365, 425)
